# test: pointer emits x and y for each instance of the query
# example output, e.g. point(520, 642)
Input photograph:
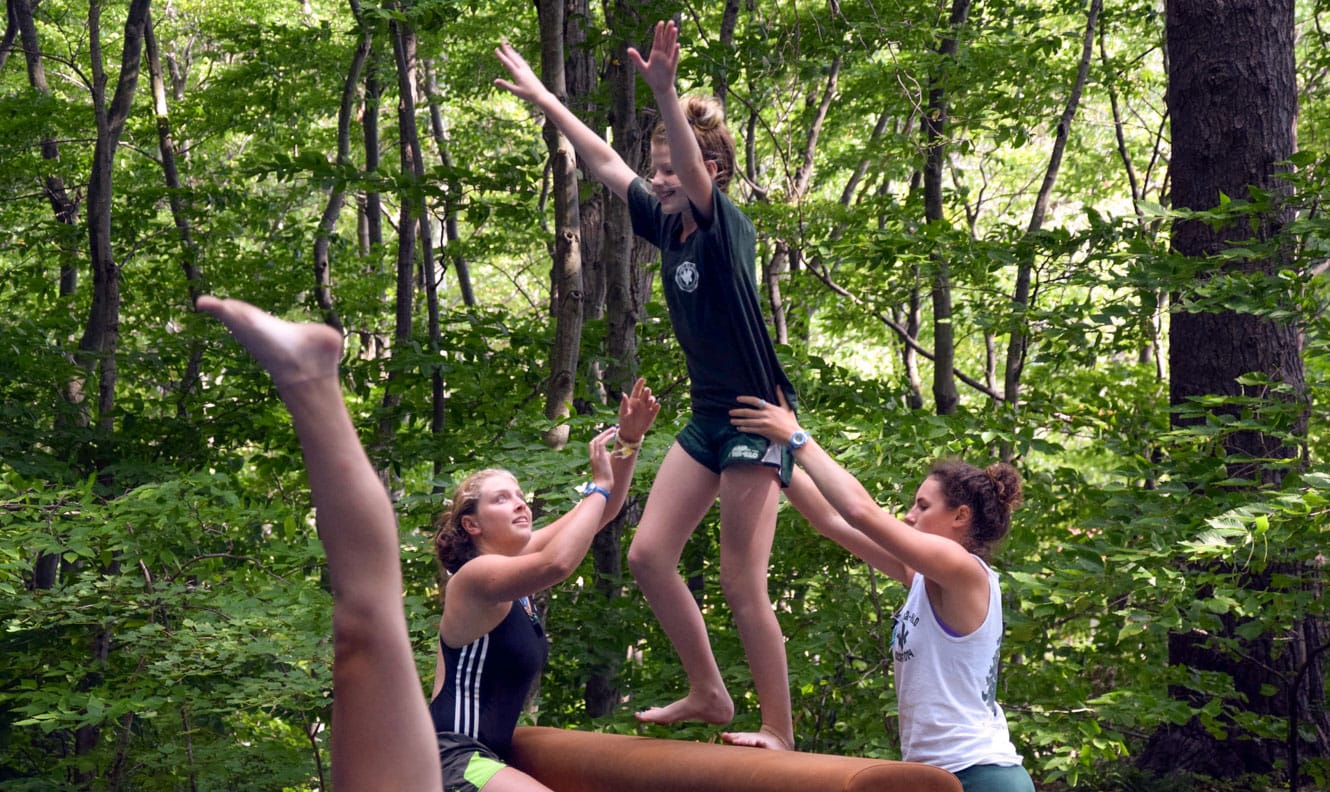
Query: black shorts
point(716, 444)
point(468, 764)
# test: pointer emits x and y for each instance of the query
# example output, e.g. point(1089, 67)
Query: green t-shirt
point(712, 299)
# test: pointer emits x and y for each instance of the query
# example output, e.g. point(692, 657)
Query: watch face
point(588, 488)
point(798, 439)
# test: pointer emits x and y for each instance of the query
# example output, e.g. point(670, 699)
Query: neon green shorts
point(468, 764)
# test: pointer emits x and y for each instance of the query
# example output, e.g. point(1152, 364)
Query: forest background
point(1085, 237)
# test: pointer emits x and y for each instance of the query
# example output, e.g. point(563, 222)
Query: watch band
point(592, 487)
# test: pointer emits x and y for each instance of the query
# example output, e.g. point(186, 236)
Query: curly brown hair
point(452, 544)
point(706, 116)
point(992, 493)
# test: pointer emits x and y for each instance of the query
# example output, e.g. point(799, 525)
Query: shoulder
point(727, 211)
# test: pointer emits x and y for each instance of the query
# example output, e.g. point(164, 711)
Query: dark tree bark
point(786, 257)
point(371, 214)
point(579, 63)
point(451, 233)
point(566, 292)
point(729, 20)
point(945, 396)
point(66, 208)
point(97, 347)
point(623, 256)
point(1022, 295)
point(627, 288)
point(1232, 99)
point(336, 194)
point(11, 32)
point(167, 148)
point(20, 24)
point(408, 148)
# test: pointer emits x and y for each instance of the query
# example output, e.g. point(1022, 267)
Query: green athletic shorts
point(468, 764)
point(995, 778)
point(716, 444)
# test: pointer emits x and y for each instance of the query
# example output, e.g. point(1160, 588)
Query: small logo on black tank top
point(686, 277)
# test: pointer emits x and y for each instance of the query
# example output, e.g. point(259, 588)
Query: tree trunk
point(566, 271)
point(580, 83)
point(1019, 342)
point(403, 54)
point(66, 209)
point(786, 257)
point(102, 333)
point(1232, 98)
point(627, 288)
point(452, 237)
point(371, 226)
point(11, 33)
point(167, 148)
point(336, 195)
point(945, 396)
point(627, 284)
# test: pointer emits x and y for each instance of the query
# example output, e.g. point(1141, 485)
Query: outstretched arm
point(637, 411)
point(598, 157)
point(804, 495)
point(938, 558)
point(658, 71)
point(550, 555)
point(382, 735)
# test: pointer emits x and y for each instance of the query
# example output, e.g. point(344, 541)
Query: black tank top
point(486, 681)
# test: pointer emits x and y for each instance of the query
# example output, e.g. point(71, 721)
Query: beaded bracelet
point(624, 448)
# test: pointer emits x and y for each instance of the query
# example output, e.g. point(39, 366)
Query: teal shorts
point(468, 764)
point(995, 778)
point(716, 445)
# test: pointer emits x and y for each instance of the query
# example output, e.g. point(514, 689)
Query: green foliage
point(163, 606)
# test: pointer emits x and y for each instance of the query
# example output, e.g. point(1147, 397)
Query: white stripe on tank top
point(466, 699)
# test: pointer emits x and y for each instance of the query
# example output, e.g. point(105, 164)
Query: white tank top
point(946, 685)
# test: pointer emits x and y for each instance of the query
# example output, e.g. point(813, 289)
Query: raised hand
point(658, 70)
point(637, 411)
point(524, 84)
point(601, 472)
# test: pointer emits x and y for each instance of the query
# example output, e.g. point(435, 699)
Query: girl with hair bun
point(708, 255)
point(948, 635)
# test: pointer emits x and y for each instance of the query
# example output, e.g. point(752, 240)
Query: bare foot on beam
point(763, 738)
point(713, 708)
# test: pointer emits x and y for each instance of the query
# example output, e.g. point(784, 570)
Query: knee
point(353, 632)
point(745, 590)
point(643, 563)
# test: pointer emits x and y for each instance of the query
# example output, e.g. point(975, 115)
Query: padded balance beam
point(567, 760)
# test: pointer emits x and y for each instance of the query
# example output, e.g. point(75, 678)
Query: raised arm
point(940, 560)
point(637, 411)
point(804, 495)
point(598, 157)
point(553, 552)
point(658, 71)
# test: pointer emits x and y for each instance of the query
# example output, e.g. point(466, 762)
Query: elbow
point(860, 511)
point(556, 569)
